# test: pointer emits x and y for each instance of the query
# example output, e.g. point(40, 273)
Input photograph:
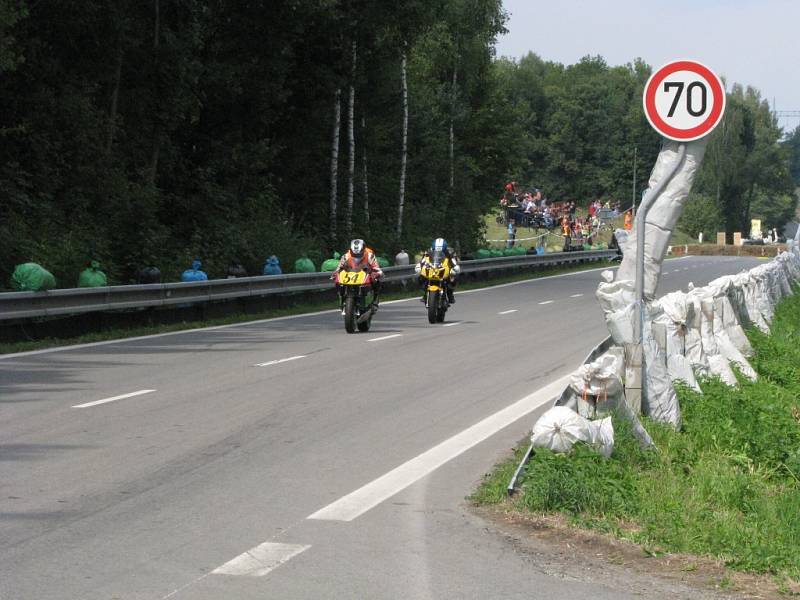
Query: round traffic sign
point(684, 100)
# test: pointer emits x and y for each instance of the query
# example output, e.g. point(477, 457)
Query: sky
point(752, 42)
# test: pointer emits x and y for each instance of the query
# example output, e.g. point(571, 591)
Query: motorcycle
point(356, 287)
point(435, 270)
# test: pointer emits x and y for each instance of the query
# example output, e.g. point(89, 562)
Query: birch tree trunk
point(404, 151)
point(351, 168)
point(337, 119)
point(364, 171)
point(452, 132)
point(112, 117)
point(156, 126)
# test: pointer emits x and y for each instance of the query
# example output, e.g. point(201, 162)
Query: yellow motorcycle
point(356, 310)
point(435, 270)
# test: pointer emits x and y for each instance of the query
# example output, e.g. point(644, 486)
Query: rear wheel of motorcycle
point(433, 302)
point(350, 315)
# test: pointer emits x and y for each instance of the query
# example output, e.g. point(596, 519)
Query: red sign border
point(674, 133)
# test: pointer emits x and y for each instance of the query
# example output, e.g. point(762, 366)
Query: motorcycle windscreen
point(437, 257)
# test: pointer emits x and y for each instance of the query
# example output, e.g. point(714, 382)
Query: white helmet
point(357, 248)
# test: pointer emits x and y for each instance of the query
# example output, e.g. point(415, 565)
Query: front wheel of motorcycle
point(350, 315)
point(433, 306)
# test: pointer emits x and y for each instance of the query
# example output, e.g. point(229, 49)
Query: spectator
point(512, 233)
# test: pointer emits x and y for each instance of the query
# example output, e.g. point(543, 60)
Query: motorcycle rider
point(439, 248)
point(359, 257)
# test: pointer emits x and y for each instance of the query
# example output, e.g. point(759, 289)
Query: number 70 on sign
point(684, 100)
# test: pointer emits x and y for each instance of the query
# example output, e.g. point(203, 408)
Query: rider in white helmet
point(360, 256)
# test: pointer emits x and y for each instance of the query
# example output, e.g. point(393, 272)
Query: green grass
point(113, 334)
point(726, 486)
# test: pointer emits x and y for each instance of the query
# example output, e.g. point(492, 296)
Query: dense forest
point(156, 132)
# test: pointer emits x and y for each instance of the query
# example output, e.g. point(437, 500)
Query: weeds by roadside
point(726, 486)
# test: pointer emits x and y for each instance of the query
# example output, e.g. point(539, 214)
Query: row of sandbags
point(686, 334)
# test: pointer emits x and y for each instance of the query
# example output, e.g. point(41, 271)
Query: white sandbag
point(661, 402)
point(597, 385)
point(674, 314)
point(559, 428)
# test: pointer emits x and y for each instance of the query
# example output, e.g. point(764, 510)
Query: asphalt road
point(286, 458)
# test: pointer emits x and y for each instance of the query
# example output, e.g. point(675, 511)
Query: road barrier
point(25, 305)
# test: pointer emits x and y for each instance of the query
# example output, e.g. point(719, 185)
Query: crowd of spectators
point(533, 210)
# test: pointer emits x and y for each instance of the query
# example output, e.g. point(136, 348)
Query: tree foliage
point(151, 133)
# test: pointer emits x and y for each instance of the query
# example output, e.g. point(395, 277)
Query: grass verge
point(113, 334)
point(725, 487)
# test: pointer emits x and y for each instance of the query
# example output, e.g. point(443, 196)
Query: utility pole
point(633, 192)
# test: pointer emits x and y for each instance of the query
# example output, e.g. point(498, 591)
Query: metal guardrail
point(23, 305)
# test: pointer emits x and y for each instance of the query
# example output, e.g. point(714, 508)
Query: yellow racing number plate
point(353, 278)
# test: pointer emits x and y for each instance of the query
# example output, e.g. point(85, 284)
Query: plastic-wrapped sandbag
point(661, 402)
point(598, 384)
point(401, 258)
point(304, 265)
point(331, 263)
point(194, 274)
point(272, 266)
point(150, 275)
point(32, 277)
point(92, 276)
point(560, 428)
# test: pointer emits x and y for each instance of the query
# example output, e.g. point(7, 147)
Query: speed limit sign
point(684, 100)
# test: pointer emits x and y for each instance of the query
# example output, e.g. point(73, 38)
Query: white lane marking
point(363, 499)
point(546, 302)
point(279, 361)
point(112, 399)
point(453, 324)
point(677, 271)
point(506, 312)
point(685, 268)
point(576, 295)
point(386, 337)
point(260, 560)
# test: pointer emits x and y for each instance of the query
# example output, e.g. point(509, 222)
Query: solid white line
point(576, 295)
point(453, 324)
point(363, 499)
point(260, 560)
point(506, 312)
point(279, 361)
point(386, 337)
point(546, 302)
point(105, 400)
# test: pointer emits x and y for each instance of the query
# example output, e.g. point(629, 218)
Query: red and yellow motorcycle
point(357, 307)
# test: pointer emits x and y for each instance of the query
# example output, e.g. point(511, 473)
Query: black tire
point(350, 315)
point(440, 313)
point(433, 302)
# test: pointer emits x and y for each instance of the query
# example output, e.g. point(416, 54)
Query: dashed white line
point(576, 295)
point(546, 302)
point(386, 337)
point(453, 324)
point(278, 361)
point(113, 399)
point(506, 312)
point(260, 560)
point(363, 499)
